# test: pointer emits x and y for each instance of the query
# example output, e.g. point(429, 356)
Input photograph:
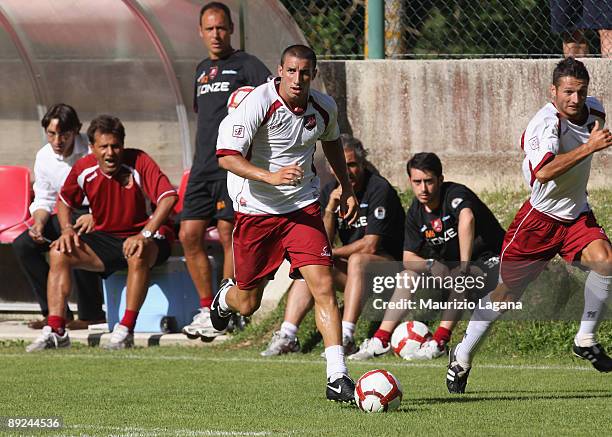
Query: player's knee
point(58, 259)
point(600, 261)
point(358, 261)
point(138, 262)
point(503, 293)
point(191, 240)
point(248, 307)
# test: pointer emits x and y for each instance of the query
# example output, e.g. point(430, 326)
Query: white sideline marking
point(269, 361)
point(153, 432)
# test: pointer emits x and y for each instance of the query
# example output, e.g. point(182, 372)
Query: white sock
point(222, 303)
point(477, 328)
point(335, 362)
point(348, 329)
point(288, 329)
point(596, 290)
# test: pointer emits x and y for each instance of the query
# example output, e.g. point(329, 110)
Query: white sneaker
point(281, 344)
point(348, 343)
point(428, 351)
point(201, 326)
point(49, 340)
point(121, 338)
point(370, 348)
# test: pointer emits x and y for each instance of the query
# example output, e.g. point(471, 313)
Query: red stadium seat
point(15, 198)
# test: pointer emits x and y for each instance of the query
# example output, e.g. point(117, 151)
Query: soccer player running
point(559, 143)
point(373, 238)
point(448, 231)
point(267, 144)
point(206, 198)
point(119, 183)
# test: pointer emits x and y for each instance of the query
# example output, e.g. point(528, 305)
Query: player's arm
point(600, 139)
point(237, 164)
point(466, 231)
point(335, 156)
point(368, 245)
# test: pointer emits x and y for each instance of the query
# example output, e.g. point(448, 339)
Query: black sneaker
point(456, 375)
point(341, 390)
point(220, 318)
point(596, 355)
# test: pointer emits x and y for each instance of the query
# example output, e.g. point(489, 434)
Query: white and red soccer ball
point(378, 391)
point(408, 337)
point(237, 97)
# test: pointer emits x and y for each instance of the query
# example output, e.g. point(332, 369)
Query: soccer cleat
point(596, 355)
point(429, 350)
point(456, 375)
point(281, 344)
point(220, 318)
point(49, 340)
point(201, 327)
point(121, 338)
point(370, 348)
point(342, 389)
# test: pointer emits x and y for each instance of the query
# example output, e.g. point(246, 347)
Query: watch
point(429, 264)
point(146, 233)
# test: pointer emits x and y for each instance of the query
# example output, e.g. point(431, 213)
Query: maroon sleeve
point(155, 183)
point(72, 193)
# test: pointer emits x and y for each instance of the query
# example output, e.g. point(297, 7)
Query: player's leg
point(605, 40)
point(89, 297)
point(586, 241)
point(225, 228)
point(59, 285)
point(299, 302)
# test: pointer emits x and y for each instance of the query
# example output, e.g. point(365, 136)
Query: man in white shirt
point(53, 163)
point(267, 146)
point(559, 143)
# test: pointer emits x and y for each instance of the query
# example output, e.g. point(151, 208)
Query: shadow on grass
point(528, 396)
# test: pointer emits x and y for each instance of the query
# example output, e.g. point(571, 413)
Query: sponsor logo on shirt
point(229, 72)
point(238, 131)
point(429, 233)
point(203, 78)
point(455, 203)
point(310, 121)
point(220, 205)
point(380, 213)
point(213, 88)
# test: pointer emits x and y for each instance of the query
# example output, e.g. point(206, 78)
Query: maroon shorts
point(261, 242)
point(534, 238)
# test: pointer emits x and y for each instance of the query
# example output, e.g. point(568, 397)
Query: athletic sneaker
point(429, 350)
point(49, 340)
point(348, 343)
point(342, 389)
point(220, 318)
point(456, 375)
point(121, 338)
point(281, 344)
point(201, 326)
point(370, 348)
point(596, 355)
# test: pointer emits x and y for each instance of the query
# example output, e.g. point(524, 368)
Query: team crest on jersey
point(238, 131)
point(380, 212)
point(534, 143)
point(455, 203)
point(242, 201)
point(436, 224)
point(310, 121)
point(213, 72)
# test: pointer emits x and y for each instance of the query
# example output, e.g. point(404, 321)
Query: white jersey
point(546, 136)
point(269, 135)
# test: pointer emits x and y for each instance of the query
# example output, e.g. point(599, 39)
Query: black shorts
point(570, 15)
point(205, 200)
point(110, 250)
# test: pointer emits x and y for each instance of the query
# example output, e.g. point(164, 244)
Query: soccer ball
point(378, 391)
point(237, 97)
point(408, 338)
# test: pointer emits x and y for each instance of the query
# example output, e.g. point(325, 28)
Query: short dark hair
point(351, 143)
point(106, 124)
point(301, 52)
point(570, 67)
point(67, 117)
point(218, 6)
point(425, 161)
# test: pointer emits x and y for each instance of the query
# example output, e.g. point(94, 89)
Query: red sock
point(383, 336)
point(442, 336)
point(129, 319)
point(205, 302)
point(57, 324)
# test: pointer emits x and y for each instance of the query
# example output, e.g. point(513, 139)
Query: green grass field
point(184, 391)
point(524, 382)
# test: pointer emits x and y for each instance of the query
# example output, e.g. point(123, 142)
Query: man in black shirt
point(206, 197)
point(374, 236)
point(448, 231)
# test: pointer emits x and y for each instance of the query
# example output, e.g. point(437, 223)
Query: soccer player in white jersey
point(267, 146)
point(559, 143)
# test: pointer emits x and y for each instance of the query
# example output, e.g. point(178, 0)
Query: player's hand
point(348, 206)
point(290, 175)
point(84, 224)
point(600, 139)
point(334, 198)
point(67, 241)
point(35, 232)
point(439, 270)
point(133, 246)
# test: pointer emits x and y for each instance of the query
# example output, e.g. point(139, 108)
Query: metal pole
point(375, 29)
